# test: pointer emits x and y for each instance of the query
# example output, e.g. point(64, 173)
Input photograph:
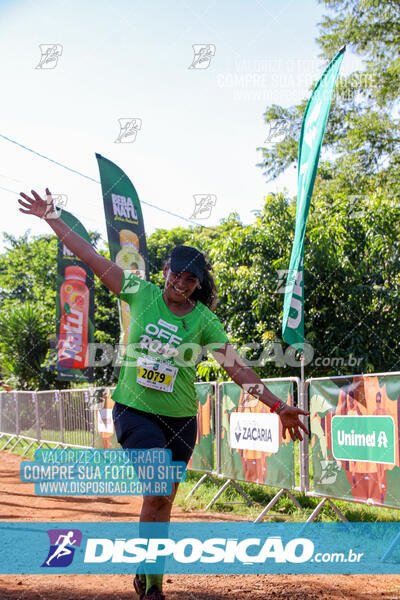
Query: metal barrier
point(8, 412)
point(78, 417)
point(355, 444)
point(203, 457)
point(252, 465)
point(47, 418)
point(51, 416)
point(75, 418)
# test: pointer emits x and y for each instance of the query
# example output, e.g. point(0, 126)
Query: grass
point(232, 502)
point(70, 437)
point(283, 510)
point(77, 437)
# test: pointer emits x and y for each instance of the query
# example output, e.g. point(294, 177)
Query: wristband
point(278, 407)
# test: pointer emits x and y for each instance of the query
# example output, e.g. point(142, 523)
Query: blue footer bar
point(199, 548)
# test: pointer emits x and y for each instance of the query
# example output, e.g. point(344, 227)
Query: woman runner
point(166, 326)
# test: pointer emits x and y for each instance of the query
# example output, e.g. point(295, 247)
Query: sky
point(199, 127)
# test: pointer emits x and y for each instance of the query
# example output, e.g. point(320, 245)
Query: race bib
point(155, 374)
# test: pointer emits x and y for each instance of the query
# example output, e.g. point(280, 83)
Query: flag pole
point(303, 403)
point(310, 142)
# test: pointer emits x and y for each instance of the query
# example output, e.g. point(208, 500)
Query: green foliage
point(28, 272)
point(28, 283)
point(372, 29)
point(23, 345)
point(352, 280)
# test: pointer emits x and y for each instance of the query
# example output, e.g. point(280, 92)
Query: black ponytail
point(208, 293)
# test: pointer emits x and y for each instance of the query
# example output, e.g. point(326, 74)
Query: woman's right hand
point(107, 271)
point(44, 209)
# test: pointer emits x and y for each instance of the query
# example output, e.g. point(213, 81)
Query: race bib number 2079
point(155, 374)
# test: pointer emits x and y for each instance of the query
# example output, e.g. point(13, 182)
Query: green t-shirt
point(162, 351)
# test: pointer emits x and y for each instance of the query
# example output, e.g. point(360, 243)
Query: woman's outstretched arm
point(244, 376)
point(107, 271)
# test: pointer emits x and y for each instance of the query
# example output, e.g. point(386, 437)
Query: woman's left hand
point(290, 420)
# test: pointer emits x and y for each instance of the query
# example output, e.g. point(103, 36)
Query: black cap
point(187, 258)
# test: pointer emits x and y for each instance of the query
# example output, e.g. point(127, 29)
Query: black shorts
point(139, 430)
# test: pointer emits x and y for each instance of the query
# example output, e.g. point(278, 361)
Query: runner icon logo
point(50, 53)
point(128, 129)
point(62, 547)
point(203, 54)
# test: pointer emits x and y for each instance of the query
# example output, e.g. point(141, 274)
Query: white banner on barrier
point(105, 421)
point(254, 432)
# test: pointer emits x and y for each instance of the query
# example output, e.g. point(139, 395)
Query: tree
point(28, 283)
point(23, 346)
point(372, 29)
point(352, 242)
point(28, 272)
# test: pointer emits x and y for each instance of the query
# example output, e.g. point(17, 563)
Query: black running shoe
point(154, 594)
point(140, 587)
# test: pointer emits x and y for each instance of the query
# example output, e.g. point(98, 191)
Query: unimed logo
point(364, 438)
point(62, 547)
point(191, 550)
